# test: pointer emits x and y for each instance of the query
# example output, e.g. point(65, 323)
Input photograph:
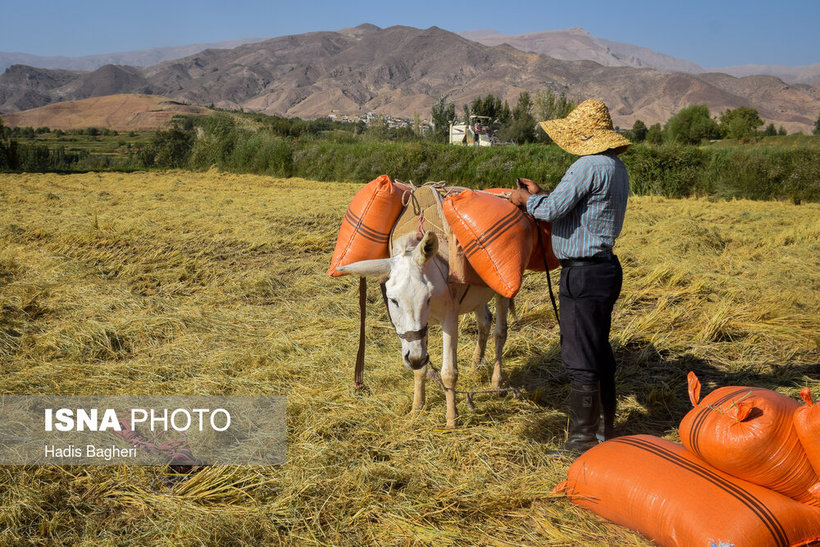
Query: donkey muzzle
point(415, 363)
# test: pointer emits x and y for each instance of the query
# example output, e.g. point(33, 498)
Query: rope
point(180, 459)
point(433, 374)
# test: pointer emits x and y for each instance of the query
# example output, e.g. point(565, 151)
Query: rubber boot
point(584, 417)
point(606, 427)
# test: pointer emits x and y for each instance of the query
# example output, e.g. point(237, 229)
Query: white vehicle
point(475, 133)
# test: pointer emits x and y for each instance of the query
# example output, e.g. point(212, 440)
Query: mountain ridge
point(402, 70)
point(142, 57)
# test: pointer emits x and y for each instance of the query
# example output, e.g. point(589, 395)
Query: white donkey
point(417, 292)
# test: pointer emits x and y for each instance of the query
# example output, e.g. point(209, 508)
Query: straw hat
point(586, 130)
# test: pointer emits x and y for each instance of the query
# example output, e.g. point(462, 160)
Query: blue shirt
point(587, 208)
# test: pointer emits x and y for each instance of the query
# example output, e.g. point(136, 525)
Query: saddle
point(423, 212)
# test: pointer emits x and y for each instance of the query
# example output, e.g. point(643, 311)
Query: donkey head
point(408, 290)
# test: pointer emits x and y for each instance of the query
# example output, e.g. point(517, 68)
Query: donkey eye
point(394, 302)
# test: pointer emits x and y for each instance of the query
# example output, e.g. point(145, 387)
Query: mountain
point(145, 57)
point(576, 44)
point(401, 71)
point(805, 74)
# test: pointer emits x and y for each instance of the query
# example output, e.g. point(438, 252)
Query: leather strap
point(358, 371)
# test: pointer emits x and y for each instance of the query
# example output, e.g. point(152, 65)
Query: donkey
point(417, 291)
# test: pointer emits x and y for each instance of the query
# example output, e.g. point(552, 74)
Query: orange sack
point(536, 262)
point(749, 432)
point(366, 226)
point(496, 237)
point(807, 426)
point(661, 490)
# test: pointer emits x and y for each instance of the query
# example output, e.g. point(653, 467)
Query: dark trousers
point(587, 295)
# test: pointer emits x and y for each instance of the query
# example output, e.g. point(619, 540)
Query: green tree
point(378, 129)
point(740, 123)
point(781, 131)
point(817, 126)
point(521, 128)
point(770, 130)
point(170, 148)
point(549, 106)
point(523, 107)
point(692, 125)
point(654, 135)
point(443, 114)
point(639, 131)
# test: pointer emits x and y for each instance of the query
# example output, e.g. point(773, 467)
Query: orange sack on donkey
point(366, 226)
point(749, 433)
point(542, 238)
point(496, 236)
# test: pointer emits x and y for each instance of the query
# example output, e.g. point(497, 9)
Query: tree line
point(691, 125)
point(694, 124)
point(329, 150)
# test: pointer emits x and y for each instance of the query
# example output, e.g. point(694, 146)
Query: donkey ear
point(367, 268)
point(426, 249)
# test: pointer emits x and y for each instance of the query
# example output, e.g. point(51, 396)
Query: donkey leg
point(502, 308)
point(483, 319)
point(449, 369)
point(419, 388)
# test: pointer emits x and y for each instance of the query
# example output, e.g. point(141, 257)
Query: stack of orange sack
point(747, 473)
point(499, 241)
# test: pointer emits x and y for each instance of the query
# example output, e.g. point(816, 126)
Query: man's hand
point(531, 186)
point(519, 198)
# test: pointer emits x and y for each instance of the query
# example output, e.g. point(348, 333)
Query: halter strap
point(410, 335)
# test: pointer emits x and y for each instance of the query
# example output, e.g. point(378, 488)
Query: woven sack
point(807, 426)
point(661, 490)
point(366, 225)
point(749, 432)
point(497, 238)
point(537, 257)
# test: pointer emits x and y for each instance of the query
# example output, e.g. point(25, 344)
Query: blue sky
point(709, 33)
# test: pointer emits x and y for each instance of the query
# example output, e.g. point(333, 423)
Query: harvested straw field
point(210, 283)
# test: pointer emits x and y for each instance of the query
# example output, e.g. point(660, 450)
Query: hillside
point(401, 71)
point(118, 112)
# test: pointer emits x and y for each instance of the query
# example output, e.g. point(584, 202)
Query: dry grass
point(207, 283)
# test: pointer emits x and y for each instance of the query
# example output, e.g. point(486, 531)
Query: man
point(586, 210)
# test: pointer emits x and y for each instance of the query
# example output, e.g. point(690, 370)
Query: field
point(210, 283)
point(104, 144)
